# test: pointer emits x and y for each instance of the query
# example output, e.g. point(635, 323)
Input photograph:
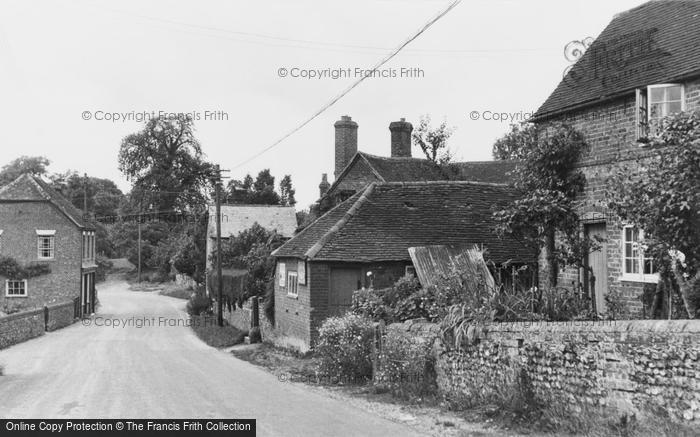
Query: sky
point(236, 66)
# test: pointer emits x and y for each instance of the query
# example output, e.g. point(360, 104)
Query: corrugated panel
point(433, 263)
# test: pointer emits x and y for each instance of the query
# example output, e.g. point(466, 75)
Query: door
point(595, 276)
point(344, 282)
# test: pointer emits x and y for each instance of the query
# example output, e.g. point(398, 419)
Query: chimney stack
point(345, 142)
point(401, 138)
point(324, 185)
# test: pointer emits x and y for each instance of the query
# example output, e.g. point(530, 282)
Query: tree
point(549, 183)
point(103, 195)
point(34, 165)
point(166, 164)
point(261, 191)
point(433, 141)
point(659, 193)
point(287, 192)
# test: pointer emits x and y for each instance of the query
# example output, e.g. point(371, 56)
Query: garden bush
point(199, 303)
point(345, 348)
point(407, 367)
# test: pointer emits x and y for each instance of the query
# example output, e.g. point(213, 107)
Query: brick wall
point(357, 178)
point(293, 314)
point(625, 366)
point(610, 131)
point(22, 326)
point(19, 222)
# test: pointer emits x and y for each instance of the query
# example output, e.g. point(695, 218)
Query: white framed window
point(301, 270)
point(410, 271)
point(16, 288)
point(655, 103)
point(635, 265)
point(282, 273)
point(45, 246)
point(292, 284)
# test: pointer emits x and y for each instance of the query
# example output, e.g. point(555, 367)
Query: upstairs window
point(655, 103)
point(636, 265)
point(45, 244)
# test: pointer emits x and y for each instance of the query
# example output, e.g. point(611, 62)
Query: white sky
point(59, 58)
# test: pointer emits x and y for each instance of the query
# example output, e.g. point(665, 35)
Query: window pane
point(673, 107)
point(655, 111)
point(657, 94)
point(674, 92)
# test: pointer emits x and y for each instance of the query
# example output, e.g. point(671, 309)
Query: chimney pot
point(345, 142)
point(324, 185)
point(401, 138)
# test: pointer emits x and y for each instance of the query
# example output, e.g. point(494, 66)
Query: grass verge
point(216, 336)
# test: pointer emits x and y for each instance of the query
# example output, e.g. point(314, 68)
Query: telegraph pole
point(139, 245)
point(219, 275)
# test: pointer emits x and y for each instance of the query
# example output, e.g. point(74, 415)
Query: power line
point(354, 84)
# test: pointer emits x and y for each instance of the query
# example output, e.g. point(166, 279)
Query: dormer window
point(655, 103)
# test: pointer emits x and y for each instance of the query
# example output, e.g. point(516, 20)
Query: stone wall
point(60, 315)
point(19, 327)
point(638, 367)
point(22, 326)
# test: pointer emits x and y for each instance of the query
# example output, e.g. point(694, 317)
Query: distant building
point(238, 218)
point(38, 226)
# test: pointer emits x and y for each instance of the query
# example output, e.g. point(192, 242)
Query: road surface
point(158, 371)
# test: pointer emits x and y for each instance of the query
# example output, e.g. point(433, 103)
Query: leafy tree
point(287, 192)
point(548, 182)
point(103, 195)
point(166, 164)
point(659, 193)
point(433, 141)
point(251, 250)
point(35, 165)
point(261, 190)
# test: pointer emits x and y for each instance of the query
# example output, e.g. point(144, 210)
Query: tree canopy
point(35, 165)
point(433, 141)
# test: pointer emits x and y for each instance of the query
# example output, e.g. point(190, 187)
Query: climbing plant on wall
point(10, 268)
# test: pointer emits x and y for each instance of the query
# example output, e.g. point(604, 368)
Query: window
point(45, 244)
point(410, 271)
point(282, 274)
point(635, 265)
point(292, 281)
point(654, 104)
point(15, 288)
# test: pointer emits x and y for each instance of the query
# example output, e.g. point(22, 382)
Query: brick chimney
point(401, 138)
point(345, 142)
point(324, 185)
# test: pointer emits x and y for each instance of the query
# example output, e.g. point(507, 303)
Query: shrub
point(407, 366)
point(616, 307)
point(198, 303)
point(345, 347)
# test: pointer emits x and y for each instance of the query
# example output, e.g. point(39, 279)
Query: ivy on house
point(10, 268)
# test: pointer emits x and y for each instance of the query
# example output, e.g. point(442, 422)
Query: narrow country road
point(162, 372)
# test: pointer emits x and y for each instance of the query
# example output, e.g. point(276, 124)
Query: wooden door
point(596, 263)
point(344, 281)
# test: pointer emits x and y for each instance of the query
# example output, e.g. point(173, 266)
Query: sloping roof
point(656, 42)
point(238, 218)
point(28, 188)
point(383, 221)
point(404, 169)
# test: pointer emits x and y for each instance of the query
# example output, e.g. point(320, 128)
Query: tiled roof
point(33, 189)
point(403, 169)
point(383, 221)
point(238, 218)
point(657, 42)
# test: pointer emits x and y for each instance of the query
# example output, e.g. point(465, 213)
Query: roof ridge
point(313, 250)
point(446, 182)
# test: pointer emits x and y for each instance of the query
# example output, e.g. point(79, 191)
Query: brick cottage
point(644, 66)
point(40, 227)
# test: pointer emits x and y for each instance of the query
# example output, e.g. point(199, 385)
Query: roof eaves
point(316, 248)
